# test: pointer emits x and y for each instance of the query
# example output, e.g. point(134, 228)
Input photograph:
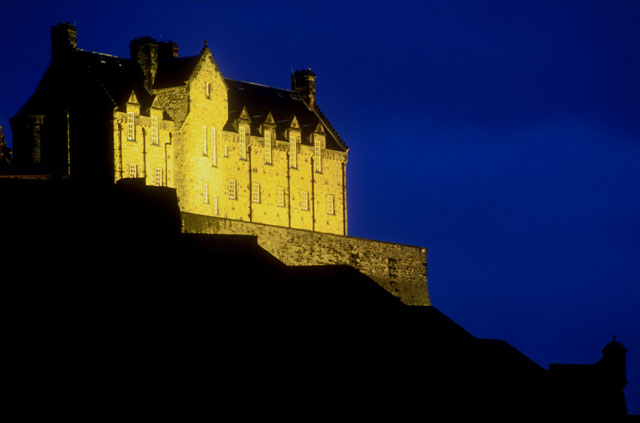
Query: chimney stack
point(304, 83)
point(144, 51)
point(167, 50)
point(63, 40)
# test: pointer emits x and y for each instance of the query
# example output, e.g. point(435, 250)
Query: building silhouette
point(123, 301)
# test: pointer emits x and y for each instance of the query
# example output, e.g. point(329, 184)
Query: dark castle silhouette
point(113, 311)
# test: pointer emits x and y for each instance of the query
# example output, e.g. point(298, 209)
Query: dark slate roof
point(283, 104)
point(175, 71)
point(86, 77)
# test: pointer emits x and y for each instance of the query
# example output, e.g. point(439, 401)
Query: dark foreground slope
point(111, 312)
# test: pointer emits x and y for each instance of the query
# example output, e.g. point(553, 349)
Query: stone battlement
point(400, 269)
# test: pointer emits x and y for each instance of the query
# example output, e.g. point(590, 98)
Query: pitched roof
point(86, 73)
point(260, 100)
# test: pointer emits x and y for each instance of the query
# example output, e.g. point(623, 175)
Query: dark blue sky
point(504, 136)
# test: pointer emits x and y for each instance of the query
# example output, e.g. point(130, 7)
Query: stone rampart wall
point(400, 269)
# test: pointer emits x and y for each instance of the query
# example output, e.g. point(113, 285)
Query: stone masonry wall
point(400, 269)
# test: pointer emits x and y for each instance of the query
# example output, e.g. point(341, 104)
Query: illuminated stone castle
point(244, 158)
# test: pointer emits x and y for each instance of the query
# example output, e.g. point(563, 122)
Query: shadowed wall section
point(400, 269)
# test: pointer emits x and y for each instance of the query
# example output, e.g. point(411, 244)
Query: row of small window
point(255, 196)
point(158, 174)
point(131, 128)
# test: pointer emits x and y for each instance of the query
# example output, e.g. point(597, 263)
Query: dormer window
point(267, 147)
point(243, 143)
point(154, 130)
point(317, 154)
point(293, 151)
point(131, 127)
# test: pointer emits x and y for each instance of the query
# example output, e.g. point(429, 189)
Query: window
point(207, 89)
point(267, 147)
point(206, 193)
point(154, 130)
point(215, 205)
point(280, 196)
point(232, 189)
point(131, 126)
point(243, 143)
point(330, 204)
point(158, 178)
point(133, 170)
point(205, 147)
point(226, 151)
point(293, 151)
point(392, 267)
point(304, 203)
point(317, 156)
point(255, 192)
point(214, 146)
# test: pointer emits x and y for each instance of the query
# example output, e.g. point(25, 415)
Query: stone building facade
point(233, 150)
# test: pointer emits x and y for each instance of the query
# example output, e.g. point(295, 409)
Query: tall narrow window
point(133, 170)
point(232, 189)
point(243, 143)
point(215, 205)
point(205, 146)
point(131, 126)
point(255, 192)
point(281, 196)
point(214, 146)
point(206, 193)
point(293, 151)
point(304, 204)
point(330, 204)
point(317, 156)
point(158, 179)
point(207, 89)
point(154, 130)
point(267, 147)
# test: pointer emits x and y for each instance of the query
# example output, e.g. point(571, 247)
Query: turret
point(63, 40)
point(304, 83)
point(613, 364)
point(144, 51)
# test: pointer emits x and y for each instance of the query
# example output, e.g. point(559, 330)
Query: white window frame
point(206, 193)
point(205, 145)
point(159, 180)
point(133, 170)
point(243, 142)
point(268, 153)
point(331, 204)
point(255, 192)
point(232, 189)
point(317, 154)
point(293, 151)
point(280, 197)
point(214, 146)
point(131, 126)
point(304, 203)
point(154, 130)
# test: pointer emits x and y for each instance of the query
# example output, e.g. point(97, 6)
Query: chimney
point(63, 40)
point(144, 51)
point(304, 83)
point(167, 50)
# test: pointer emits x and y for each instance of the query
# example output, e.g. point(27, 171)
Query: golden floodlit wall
point(400, 269)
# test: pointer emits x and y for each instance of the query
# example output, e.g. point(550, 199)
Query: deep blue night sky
point(504, 136)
